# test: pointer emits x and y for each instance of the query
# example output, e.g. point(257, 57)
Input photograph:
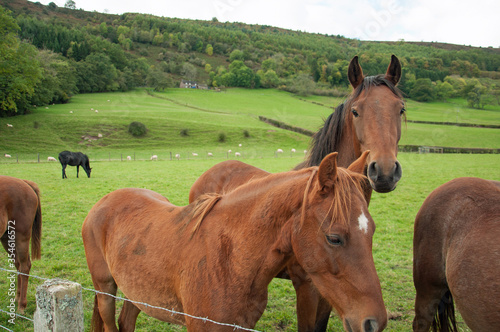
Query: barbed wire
point(6, 329)
point(18, 315)
point(171, 311)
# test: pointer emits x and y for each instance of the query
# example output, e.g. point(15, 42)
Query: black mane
point(328, 138)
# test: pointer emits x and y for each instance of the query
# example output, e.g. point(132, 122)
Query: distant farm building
point(192, 85)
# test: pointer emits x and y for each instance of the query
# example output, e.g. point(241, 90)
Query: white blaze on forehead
point(363, 222)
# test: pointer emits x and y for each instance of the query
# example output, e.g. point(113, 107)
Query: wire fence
point(171, 311)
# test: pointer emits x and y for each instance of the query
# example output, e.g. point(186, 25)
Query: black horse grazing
point(74, 159)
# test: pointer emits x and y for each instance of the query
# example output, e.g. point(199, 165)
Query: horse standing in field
point(20, 220)
point(369, 120)
point(456, 256)
point(186, 259)
point(74, 159)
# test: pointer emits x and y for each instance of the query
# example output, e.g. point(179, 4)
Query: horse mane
point(341, 192)
point(327, 139)
point(203, 205)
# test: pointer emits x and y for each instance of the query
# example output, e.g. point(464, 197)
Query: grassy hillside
point(204, 116)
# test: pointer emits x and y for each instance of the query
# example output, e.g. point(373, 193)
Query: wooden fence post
point(59, 306)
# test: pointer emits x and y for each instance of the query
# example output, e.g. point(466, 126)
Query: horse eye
point(355, 113)
point(403, 110)
point(334, 240)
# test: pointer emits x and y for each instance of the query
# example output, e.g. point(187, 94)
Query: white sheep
point(99, 135)
point(279, 151)
point(210, 154)
point(51, 159)
point(129, 158)
point(154, 157)
point(9, 125)
point(293, 150)
point(195, 154)
point(7, 155)
point(177, 156)
point(237, 154)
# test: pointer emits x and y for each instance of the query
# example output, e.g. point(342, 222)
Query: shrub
point(137, 129)
point(184, 132)
point(246, 134)
point(222, 137)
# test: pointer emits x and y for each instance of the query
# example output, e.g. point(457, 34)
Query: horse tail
point(36, 228)
point(97, 324)
point(445, 321)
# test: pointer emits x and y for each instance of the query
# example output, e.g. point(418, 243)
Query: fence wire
point(171, 311)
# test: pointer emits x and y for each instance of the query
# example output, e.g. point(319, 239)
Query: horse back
point(224, 177)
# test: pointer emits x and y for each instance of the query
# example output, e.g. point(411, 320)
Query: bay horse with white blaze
point(456, 256)
point(74, 159)
point(369, 120)
point(20, 221)
point(186, 259)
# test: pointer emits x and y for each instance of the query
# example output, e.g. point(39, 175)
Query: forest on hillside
point(49, 53)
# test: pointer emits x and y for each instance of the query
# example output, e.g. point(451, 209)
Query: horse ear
point(358, 166)
point(355, 73)
point(327, 173)
point(393, 73)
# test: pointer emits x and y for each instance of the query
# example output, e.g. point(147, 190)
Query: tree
point(209, 50)
point(303, 85)
point(70, 4)
point(19, 70)
point(236, 55)
point(189, 71)
point(423, 90)
point(444, 90)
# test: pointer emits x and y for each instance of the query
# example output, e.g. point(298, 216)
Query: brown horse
point(456, 256)
point(20, 220)
point(370, 119)
point(186, 259)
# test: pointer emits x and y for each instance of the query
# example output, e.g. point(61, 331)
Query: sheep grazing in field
point(129, 158)
point(46, 108)
point(305, 151)
point(240, 145)
point(279, 151)
point(237, 154)
point(177, 156)
point(71, 112)
point(51, 159)
point(154, 157)
point(229, 151)
point(9, 125)
point(210, 154)
point(293, 150)
point(195, 154)
point(96, 111)
point(7, 155)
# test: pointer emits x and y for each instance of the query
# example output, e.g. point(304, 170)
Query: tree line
point(52, 53)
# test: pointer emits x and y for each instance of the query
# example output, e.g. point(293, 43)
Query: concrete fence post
point(59, 307)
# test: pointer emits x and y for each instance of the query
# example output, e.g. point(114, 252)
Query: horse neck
point(337, 135)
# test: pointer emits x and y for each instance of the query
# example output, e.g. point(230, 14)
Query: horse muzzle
point(384, 176)
point(368, 325)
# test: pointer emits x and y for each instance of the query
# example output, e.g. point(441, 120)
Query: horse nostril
point(373, 171)
point(370, 325)
point(398, 172)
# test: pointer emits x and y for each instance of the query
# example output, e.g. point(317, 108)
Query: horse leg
point(322, 315)
point(128, 317)
point(307, 298)
point(426, 306)
point(23, 265)
point(64, 171)
point(77, 170)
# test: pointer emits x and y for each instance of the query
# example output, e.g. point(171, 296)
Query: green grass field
point(206, 114)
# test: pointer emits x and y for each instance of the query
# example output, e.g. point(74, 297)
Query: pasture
point(65, 204)
point(205, 115)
